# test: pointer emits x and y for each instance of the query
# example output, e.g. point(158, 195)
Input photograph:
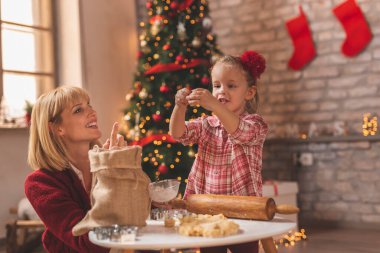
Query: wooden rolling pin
point(242, 207)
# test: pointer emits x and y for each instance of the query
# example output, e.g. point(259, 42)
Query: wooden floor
point(322, 240)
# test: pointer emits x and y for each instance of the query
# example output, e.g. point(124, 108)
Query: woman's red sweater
point(61, 201)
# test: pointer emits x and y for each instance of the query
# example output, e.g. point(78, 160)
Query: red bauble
point(179, 59)
point(164, 88)
point(166, 47)
point(163, 169)
point(157, 117)
point(205, 80)
point(139, 54)
point(148, 5)
point(174, 5)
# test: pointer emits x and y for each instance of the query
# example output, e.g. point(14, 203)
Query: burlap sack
point(119, 193)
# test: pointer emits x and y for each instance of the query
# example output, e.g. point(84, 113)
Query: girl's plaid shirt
point(227, 164)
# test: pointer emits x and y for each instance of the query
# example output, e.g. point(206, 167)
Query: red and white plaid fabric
point(228, 164)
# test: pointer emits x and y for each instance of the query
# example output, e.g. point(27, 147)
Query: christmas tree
point(176, 51)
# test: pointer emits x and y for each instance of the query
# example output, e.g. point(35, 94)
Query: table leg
point(268, 245)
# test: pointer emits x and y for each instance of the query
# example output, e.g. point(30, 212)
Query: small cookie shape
point(207, 226)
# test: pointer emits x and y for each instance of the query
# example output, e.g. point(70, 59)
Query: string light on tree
point(191, 153)
point(369, 124)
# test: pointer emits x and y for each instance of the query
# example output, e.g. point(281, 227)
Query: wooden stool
point(29, 240)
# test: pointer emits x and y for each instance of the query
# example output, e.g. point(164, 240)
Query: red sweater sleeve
point(60, 201)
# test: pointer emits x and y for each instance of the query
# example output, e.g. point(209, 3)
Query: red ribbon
point(157, 137)
point(155, 18)
point(166, 67)
point(185, 4)
point(274, 184)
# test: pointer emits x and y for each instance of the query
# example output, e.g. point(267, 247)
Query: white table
point(156, 237)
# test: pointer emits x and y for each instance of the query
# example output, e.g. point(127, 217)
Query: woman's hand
point(116, 140)
point(180, 97)
point(202, 97)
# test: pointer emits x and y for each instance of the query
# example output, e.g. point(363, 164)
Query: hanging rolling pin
point(242, 207)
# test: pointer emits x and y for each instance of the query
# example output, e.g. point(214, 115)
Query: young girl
point(63, 129)
point(230, 142)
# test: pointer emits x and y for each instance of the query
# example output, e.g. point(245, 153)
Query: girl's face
point(78, 123)
point(230, 87)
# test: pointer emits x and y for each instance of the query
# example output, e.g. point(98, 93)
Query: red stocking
point(358, 34)
point(299, 31)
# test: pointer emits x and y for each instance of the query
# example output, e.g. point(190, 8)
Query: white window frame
point(48, 57)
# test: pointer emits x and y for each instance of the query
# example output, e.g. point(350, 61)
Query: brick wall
point(342, 185)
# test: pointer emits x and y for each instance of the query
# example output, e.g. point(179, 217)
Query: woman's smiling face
point(78, 123)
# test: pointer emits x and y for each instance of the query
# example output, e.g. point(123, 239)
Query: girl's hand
point(180, 97)
point(203, 98)
point(116, 140)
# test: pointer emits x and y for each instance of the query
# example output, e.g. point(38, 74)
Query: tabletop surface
point(156, 236)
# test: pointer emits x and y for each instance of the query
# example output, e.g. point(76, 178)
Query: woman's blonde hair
point(46, 149)
point(251, 105)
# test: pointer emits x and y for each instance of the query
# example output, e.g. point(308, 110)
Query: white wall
point(13, 169)
point(97, 45)
point(109, 40)
point(69, 51)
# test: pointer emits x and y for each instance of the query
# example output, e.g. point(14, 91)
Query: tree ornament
point(163, 169)
point(179, 59)
point(157, 117)
point(148, 4)
point(129, 96)
point(159, 10)
point(164, 88)
point(181, 31)
point(304, 50)
point(358, 33)
point(143, 43)
point(137, 85)
point(144, 47)
point(156, 27)
point(143, 94)
point(196, 43)
point(166, 47)
point(174, 5)
point(207, 23)
point(205, 80)
point(127, 117)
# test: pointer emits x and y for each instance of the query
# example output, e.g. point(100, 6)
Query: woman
point(63, 129)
